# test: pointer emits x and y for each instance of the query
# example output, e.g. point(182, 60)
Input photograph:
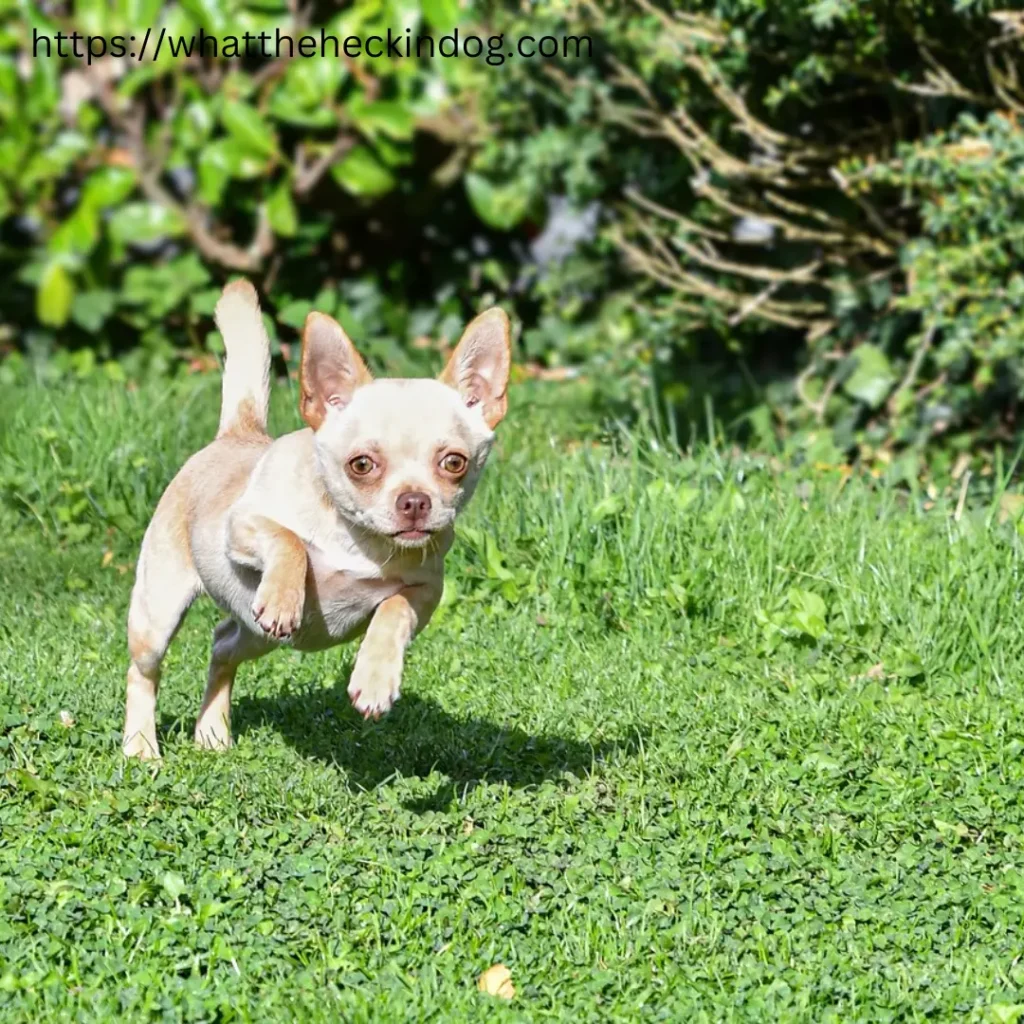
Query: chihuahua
point(322, 535)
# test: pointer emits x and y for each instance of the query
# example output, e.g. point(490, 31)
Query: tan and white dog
point(316, 536)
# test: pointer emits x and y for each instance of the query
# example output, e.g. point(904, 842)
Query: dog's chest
point(342, 593)
point(339, 605)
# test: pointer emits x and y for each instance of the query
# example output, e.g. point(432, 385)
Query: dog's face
point(400, 458)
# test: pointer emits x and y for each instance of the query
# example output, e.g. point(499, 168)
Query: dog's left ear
point(479, 366)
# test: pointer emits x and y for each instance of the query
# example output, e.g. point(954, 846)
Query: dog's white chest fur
point(341, 596)
point(345, 583)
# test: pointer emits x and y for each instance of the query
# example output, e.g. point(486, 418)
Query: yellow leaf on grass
point(497, 981)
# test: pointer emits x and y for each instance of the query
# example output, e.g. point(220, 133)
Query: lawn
point(692, 737)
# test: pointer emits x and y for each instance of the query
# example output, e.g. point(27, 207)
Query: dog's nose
point(413, 504)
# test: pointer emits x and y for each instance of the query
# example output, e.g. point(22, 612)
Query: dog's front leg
point(280, 556)
point(377, 675)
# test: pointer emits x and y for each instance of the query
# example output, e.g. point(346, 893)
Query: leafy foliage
point(824, 187)
point(129, 189)
point(964, 271)
point(792, 217)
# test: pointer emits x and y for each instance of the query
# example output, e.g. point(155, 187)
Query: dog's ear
point(330, 370)
point(479, 366)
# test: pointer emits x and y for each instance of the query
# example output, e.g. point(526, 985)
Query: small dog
point(323, 534)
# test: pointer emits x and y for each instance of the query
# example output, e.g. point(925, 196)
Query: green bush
point(129, 190)
point(963, 274)
point(823, 197)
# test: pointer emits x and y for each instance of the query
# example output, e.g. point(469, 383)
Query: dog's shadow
point(419, 737)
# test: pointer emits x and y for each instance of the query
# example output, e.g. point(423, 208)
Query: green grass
point(691, 738)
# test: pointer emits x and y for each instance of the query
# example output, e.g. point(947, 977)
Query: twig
point(744, 311)
point(872, 214)
point(963, 497)
point(915, 366)
point(636, 196)
point(307, 175)
point(194, 216)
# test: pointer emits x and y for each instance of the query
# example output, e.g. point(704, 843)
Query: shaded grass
point(690, 738)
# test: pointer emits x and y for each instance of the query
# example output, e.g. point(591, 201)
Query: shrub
point(129, 190)
point(823, 197)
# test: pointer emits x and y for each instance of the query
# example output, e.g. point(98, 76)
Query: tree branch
point(195, 217)
point(308, 175)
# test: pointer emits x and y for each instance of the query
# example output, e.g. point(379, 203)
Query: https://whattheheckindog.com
point(152, 44)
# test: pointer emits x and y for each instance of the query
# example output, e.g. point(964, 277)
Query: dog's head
point(400, 458)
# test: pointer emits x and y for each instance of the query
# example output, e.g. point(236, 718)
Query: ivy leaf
point(91, 309)
point(306, 94)
point(208, 14)
point(393, 154)
point(193, 125)
point(223, 160)
point(79, 233)
point(873, 378)
point(499, 206)
point(312, 83)
point(246, 125)
point(294, 314)
point(281, 211)
point(214, 172)
point(442, 14)
point(145, 222)
point(107, 187)
point(386, 117)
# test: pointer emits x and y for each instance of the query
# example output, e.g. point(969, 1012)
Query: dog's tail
point(246, 389)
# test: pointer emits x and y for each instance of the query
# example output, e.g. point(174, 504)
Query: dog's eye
point(454, 463)
point(361, 465)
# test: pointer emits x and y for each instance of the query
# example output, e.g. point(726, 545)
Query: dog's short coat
point(319, 535)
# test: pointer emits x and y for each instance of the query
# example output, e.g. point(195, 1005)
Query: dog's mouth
point(412, 538)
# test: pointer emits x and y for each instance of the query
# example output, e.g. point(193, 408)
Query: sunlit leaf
point(54, 295)
point(362, 174)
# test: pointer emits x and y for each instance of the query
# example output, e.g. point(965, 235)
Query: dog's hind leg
point(233, 644)
point(166, 583)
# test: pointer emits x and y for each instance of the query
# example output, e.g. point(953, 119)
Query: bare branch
point(870, 212)
point(800, 315)
point(308, 175)
point(635, 196)
point(195, 217)
point(750, 271)
point(915, 366)
point(1005, 82)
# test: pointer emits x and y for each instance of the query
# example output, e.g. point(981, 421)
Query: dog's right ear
point(479, 366)
point(330, 370)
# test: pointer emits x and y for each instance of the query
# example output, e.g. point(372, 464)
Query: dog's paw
point(142, 746)
point(213, 735)
point(375, 685)
point(278, 610)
